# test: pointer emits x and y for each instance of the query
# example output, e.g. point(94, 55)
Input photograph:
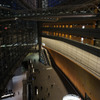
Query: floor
point(47, 81)
point(17, 84)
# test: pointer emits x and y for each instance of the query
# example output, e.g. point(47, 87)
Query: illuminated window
point(59, 34)
point(62, 35)
point(54, 26)
point(66, 36)
point(66, 26)
point(63, 26)
point(70, 36)
point(59, 26)
point(54, 33)
point(70, 26)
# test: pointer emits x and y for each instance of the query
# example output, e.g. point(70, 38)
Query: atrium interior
point(49, 49)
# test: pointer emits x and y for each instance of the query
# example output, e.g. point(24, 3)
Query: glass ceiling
point(12, 4)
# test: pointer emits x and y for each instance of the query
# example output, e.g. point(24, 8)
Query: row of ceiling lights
point(70, 26)
point(48, 13)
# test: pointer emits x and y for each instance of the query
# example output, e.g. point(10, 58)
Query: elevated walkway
point(83, 58)
point(80, 66)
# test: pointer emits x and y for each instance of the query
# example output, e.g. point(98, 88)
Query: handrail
point(85, 59)
point(89, 48)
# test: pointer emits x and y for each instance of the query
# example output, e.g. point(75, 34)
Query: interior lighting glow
point(32, 65)
point(59, 34)
point(66, 35)
point(66, 26)
point(62, 35)
point(47, 32)
point(7, 95)
point(5, 28)
point(37, 92)
point(54, 33)
point(83, 27)
point(33, 70)
point(70, 26)
point(16, 18)
point(71, 97)
point(82, 39)
point(63, 26)
point(43, 44)
point(70, 36)
point(59, 26)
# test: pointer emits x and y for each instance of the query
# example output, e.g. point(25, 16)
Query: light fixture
point(82, 39)
point(43, 44)
point(83, 27)
point(71, 97)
